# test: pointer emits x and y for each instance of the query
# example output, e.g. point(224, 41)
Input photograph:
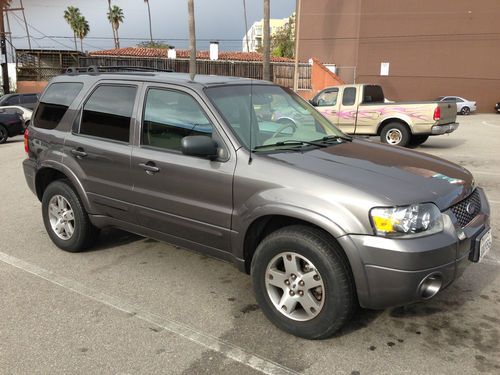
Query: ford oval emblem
point(470, 208)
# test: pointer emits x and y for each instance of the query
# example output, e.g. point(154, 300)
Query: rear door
point(100, 147)
point(184, 197)
point(349, 110)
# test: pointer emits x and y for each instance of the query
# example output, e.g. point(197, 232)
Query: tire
point(465, 111)
point(416, 140)
point(337, 300)
point(4, 134)
point(395, 134)
point(83, 233)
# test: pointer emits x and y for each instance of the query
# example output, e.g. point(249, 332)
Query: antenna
point(251, 119)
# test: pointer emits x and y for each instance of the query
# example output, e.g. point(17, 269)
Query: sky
point(221, 20)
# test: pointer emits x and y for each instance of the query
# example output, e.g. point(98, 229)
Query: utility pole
point(266, 56)
point(297, 36)
point(246, 24)
point(3, 50)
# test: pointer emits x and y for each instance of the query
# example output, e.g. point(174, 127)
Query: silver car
point(464, 106)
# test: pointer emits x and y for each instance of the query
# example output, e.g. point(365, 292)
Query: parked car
point(464, 106)
point(11, 124)
point(24, 100)
point(497, 107)
point(322, 221)
point(25, 113)
point(362, 110)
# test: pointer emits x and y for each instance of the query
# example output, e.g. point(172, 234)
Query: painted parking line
point(486, 173)
point(494, 125)
point(231, 351)
point(493, 202)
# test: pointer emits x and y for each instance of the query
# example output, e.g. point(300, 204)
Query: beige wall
point(447, 47)
point(30, 86)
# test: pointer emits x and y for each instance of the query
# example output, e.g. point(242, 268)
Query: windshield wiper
point(329, 138)
point(290, 142)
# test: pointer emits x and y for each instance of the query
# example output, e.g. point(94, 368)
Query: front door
point(326, 102)
point(185, 197)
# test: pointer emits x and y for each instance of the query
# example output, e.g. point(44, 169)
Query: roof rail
point(112, 69)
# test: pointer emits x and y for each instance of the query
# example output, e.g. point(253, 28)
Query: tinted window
point(373, 94)
point(54, 104)
point(349, 96)
point(450, 99)
point(13, 100)
point(169, 116)
point(328, 98)
point(108, 111)
point(29, 98)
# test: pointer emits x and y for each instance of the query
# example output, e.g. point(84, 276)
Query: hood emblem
point(471, 208)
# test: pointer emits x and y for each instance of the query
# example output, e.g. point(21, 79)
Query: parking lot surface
point(135, 305)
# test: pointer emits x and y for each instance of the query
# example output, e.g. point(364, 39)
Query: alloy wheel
point(61, 217)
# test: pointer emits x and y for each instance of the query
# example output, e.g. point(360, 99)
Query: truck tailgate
point(448, 113)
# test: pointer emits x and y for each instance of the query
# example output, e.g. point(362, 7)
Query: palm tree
point(70, 15)
point(82, 29)
point(114, 34)
point(192, 40)
point(115, 16)
point(150, 28)
point(266, 58)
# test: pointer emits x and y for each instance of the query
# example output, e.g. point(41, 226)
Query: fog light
point(430, 286)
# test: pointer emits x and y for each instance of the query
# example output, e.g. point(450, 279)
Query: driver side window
point(328, 98)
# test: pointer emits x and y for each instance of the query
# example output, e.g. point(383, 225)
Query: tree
point(150, 27)
point(71, 14)
point(114, 35)
point(82, 29)
point(266, 57)
point(115, 17)
point(192, 40)
point(283, 40)
point(153, 44)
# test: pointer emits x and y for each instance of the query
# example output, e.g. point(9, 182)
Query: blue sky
point(215, 20)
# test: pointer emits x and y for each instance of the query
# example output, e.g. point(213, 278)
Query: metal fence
point(281, 73)
point(41, 65)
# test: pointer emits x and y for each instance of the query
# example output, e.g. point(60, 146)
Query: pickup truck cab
point(362, 109)
point(322, 221)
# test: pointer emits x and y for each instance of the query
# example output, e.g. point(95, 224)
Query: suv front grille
point(467, 209)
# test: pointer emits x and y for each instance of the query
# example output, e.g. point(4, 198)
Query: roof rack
point(112, 69)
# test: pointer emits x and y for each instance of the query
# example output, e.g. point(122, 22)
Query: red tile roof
point(184, 54)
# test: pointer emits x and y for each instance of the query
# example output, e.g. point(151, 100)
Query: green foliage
point(153, 44)
point(283, 40)
point(115, 16)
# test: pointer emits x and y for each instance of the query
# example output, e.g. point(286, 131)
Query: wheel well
point(264, 226)
point(44, 177)
point(390, 120)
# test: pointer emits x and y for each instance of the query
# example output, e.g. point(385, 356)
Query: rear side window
point(54, 104)
point(373, 94)
point(108, 111)
point(349, 96)
point(13, 100)
point(169, 116)
point(29, 98)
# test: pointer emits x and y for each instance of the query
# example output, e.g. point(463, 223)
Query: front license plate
point(485, 244)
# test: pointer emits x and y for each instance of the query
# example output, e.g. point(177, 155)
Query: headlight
point(417, 219)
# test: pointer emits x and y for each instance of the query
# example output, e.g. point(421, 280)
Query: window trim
point(84, 103)
point(143, 111)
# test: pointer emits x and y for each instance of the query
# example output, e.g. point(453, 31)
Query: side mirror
point(200, 145)
point(313, 102)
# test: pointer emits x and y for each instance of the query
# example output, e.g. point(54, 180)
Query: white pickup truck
point(361, 109)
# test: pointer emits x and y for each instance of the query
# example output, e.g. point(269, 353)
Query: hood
point(397, 175)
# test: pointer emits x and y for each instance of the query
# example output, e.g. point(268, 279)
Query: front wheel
point(303, 282)
point(66, 221)
point(395, 134)
point(465, 111)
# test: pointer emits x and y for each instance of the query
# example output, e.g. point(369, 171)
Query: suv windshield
point(266, 115)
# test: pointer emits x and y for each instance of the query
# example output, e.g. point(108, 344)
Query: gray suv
point(323, 222)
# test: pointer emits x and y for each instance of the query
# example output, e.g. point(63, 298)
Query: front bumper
point(444, 129)
point(389, 272)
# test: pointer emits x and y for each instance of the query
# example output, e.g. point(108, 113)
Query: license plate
point(485, 244)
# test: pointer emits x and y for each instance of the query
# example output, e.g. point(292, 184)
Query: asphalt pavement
point(133, 305)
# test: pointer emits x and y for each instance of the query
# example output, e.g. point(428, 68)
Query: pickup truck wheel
point(65, 218)
point(395, 134)
point(3, 134)
point(465, 111)
point(416, 140)
point(303, 282)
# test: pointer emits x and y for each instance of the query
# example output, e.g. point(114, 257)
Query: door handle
point(79, 153)
point(149, 167)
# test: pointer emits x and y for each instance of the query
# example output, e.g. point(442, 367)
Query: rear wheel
point(416, 140)
point(465, 111)
point(303, 282)
point(395, 134)
point(3, 134)
point(65, 218)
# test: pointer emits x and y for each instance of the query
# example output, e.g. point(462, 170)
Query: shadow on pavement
point(112, 237)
